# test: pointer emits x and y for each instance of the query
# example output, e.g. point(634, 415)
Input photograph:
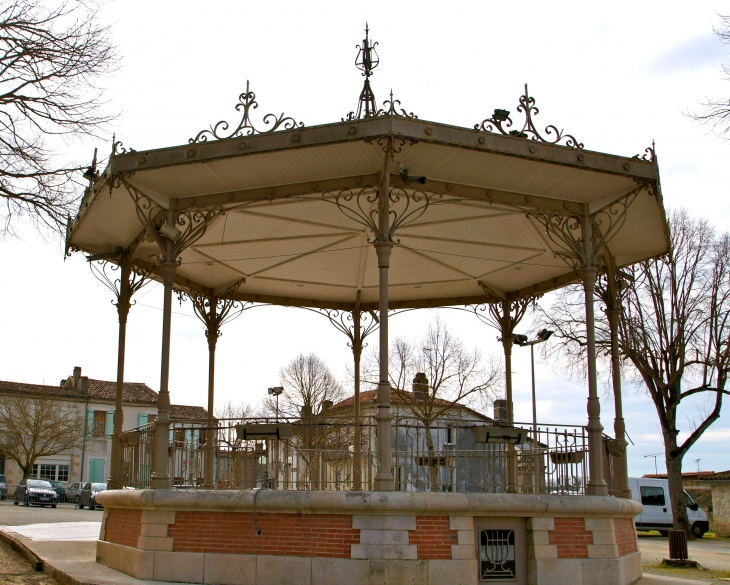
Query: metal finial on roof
point(366, 60)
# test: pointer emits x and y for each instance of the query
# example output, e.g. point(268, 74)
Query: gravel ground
point(16, 570)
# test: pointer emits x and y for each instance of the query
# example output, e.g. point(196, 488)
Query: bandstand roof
point(287, 235)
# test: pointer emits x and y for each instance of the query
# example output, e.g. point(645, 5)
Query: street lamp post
point(521, 340)
point(276, 391)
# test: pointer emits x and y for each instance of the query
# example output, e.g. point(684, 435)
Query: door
point(657, 513)
point(96, 471)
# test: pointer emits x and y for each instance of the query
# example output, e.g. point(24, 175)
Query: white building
point(91, 460)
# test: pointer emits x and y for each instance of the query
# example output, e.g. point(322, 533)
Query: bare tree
point(444, 375)
point(307, 383)
point(455, 374)
point(674, 334)
point(50, 63)
point(36, 426)
point(717, 112)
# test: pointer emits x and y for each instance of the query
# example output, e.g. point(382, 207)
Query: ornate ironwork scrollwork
point(109, 274)
point(216, 311)
point(359, 206)
point(565, 230)
point(247, 102)
point(344, 322)
point(192, 224)
point(528, 130)
point(394, 109)
point(392, 143)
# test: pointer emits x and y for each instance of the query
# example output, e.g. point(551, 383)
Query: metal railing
point(318, 454)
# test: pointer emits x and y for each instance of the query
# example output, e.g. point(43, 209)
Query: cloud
point(690, 54)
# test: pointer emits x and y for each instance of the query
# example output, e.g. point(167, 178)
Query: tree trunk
point(676, 490)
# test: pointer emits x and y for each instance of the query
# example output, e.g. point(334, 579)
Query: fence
point(318, 454)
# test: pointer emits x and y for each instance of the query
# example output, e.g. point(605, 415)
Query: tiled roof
point(182, 412)
point(134, 392)
point(719, 476)
point(371, 396)
point(97, 389)
point(686, 475)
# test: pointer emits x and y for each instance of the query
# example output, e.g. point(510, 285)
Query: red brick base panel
point(571, 538)
point(292, 535)
point(625, 536)
point(433, 537)
point(123, 526)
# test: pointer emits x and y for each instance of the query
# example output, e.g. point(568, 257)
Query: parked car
point(72, 492)
point(653, 494)
point(35, 491)
point(60, 489)
point(3, 487)
point(87, 495)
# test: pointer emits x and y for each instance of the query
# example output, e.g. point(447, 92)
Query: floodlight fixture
point(519, 339)
point(170, 232)
point(276, 390)
point(544, 334)
point(501, 115)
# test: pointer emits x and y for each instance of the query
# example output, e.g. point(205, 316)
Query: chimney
point(84, 383)
point(420, 388)
point(326, 405)
point(77, 375)
point(500, 411)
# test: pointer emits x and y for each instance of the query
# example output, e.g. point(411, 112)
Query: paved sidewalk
point(73, 562)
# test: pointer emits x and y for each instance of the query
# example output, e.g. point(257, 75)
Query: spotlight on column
point(170, 232)
point(411, 179)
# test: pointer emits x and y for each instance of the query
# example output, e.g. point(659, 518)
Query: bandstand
point(379, 211)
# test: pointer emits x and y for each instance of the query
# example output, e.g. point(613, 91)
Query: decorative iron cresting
point(360, 206)
point(649, 153)
point(528, 130)
point(247, 102)
point(366, 61)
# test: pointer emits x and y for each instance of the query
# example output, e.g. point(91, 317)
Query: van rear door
point(657, 512)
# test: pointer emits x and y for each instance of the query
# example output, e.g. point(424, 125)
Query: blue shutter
point(141, 419)
point(109, 423)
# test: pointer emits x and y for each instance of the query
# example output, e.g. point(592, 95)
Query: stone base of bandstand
point(363, 538)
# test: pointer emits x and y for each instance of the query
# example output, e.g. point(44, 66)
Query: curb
point(39, 564)
point(35, 561)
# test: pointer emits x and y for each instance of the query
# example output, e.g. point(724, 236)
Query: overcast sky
point(615, 75)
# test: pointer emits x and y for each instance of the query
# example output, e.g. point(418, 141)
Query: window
point(652, 496)
point(50, 471)
point(47, 471)
point(502, 552)
point(99, 428)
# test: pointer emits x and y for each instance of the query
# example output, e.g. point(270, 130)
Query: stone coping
point(358, 502)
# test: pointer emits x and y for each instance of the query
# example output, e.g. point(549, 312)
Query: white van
point(653, 494)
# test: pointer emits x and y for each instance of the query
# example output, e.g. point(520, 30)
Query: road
point(709, 552)
point(11, 515)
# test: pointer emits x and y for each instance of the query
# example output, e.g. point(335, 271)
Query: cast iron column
point(596, 484)
point(212, 336)
point(117, 453)
point(619, 427)
point(357, 354)
point(160, 477)
point(507, 343)
point(384, 480)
